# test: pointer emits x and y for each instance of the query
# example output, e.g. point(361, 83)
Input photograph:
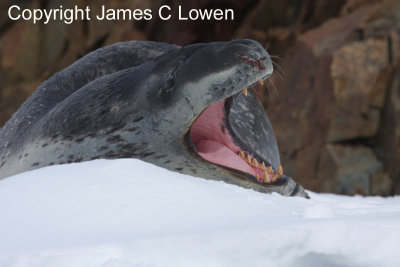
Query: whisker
point(279, 75)
point(278, 70)
point(267, 46)
point(273, 86)
point(276, 57)
point(276, 64)
point(268, 87)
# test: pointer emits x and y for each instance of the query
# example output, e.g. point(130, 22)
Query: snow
point(126, 213)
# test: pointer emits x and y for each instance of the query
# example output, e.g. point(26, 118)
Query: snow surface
point(129, 213)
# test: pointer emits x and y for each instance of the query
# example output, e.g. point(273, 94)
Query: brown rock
point(355, 67)
point(335, 90)
point(280, 21)
point(4, 20)
point(97, 30)
point(186, 31)
point(335, 33)
point(352, 5)
point(350, 124)
point(351, 167)
point(376, 97)
point(381, 184)
point(20, 52)
point(383, 20)
point(301, 113)
point(60, 40)
point(388, 138)
point(357, 71)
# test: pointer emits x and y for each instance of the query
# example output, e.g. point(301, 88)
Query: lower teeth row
point(269, 174)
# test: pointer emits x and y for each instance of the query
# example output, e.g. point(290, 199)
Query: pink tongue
point(220, 154)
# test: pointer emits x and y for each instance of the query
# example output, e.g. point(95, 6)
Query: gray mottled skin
point(135, 100)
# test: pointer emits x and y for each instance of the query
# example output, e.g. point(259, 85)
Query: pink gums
point(213, 143)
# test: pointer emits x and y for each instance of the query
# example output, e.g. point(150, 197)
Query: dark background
point(335, 110)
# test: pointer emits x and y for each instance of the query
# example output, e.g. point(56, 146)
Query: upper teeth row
point(269, 174)
point(260, 81)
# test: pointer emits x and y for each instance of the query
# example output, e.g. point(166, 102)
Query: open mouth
point(235, 133)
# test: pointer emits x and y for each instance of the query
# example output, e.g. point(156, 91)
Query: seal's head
point(189, 109)
point(221, 123)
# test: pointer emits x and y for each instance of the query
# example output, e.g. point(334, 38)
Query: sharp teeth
point(248, 159)
point(279, 172)
point(263, 166)
point(254, 163)
point(269, 174)
point(267, 179)
point(245, 91)
point(261, 82)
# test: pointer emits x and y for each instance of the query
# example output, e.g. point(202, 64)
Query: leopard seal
point(188, 109)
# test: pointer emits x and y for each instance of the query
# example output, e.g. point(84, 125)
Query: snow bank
point(130, 213)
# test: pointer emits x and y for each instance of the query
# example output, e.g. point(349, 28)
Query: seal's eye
point(166, 89)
